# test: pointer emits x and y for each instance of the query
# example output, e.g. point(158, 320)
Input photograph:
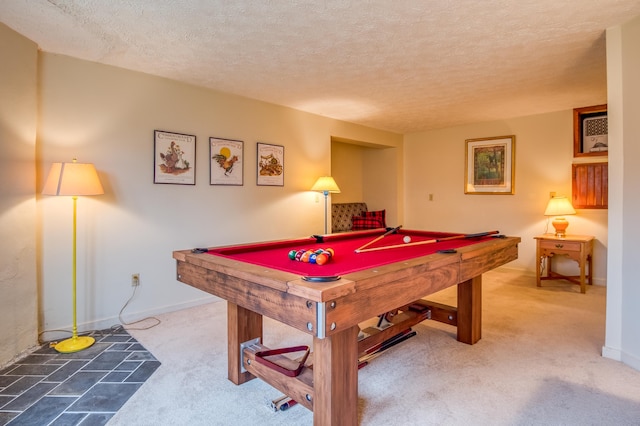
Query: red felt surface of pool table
point(346, 259)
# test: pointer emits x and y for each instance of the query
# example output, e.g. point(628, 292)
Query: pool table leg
point(242, 325)
point(470, 310)
point(335, 378)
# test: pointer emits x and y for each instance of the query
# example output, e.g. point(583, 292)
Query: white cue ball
point(406, 239)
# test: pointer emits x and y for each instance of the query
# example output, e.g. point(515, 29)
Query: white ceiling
point(399, 65)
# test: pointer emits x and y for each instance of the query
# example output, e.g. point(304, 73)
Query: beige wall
point(106, 116)
point(347, 168)
point(369, 173)
point(623, 292)
point(434, 164)
point(383, 188)
point(18, 109)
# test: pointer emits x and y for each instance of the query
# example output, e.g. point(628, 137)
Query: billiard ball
point(306, 255)
point(407, 239)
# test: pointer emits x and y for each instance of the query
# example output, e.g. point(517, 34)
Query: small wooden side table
point(576, 247)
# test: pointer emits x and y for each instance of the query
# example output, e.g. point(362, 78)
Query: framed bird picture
point(226, 162)
point(174, 158)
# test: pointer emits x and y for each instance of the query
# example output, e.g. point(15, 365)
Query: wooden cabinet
point(590, 185)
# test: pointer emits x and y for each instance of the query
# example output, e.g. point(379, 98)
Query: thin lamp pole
point(326, 196)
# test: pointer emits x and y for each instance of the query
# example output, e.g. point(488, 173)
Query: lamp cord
point(124, 323)
point(113, 328)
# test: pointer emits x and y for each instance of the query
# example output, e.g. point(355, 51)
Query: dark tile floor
point(82, 388)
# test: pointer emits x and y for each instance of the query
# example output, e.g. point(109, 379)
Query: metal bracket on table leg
point(383, 322)
point(244, 345)
point(362, 335)
point(321, 317)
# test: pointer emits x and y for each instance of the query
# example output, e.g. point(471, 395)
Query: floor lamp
point(325, 184)
point(73, 179)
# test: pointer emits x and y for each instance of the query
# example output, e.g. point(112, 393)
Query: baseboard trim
point(529, 272)
point(611, 353)
point(621, 356)
point(105, 323)
point(631, 360)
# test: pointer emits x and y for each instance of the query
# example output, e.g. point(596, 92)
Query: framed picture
point(490, 165)
point(590, 131)
point(270, 164)
point(174, 159)
point(227, 156)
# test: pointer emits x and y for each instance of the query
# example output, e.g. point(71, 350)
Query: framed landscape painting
point(490, 165)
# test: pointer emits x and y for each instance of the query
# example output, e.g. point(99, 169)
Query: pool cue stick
point(389, 232)
point(394, 341)
point(376, 348)
point(285, 402)
point(277, 403)
point(436, 240)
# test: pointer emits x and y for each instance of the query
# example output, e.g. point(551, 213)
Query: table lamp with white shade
point(559, 206)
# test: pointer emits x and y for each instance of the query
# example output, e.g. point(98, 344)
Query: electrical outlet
point(135, 280)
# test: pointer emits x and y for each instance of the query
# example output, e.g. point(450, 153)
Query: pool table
point(387, 278)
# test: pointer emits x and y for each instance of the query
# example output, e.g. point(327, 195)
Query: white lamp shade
point(325, 184)
point(559, 206)
point(72, 179)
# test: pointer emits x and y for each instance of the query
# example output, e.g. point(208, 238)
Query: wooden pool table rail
point(321, 309)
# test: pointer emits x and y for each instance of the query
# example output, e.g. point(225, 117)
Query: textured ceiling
point(399, 65)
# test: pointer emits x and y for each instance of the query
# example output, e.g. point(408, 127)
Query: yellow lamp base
point(74, 344)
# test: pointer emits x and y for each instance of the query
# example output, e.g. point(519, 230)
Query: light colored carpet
point(538, 363)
